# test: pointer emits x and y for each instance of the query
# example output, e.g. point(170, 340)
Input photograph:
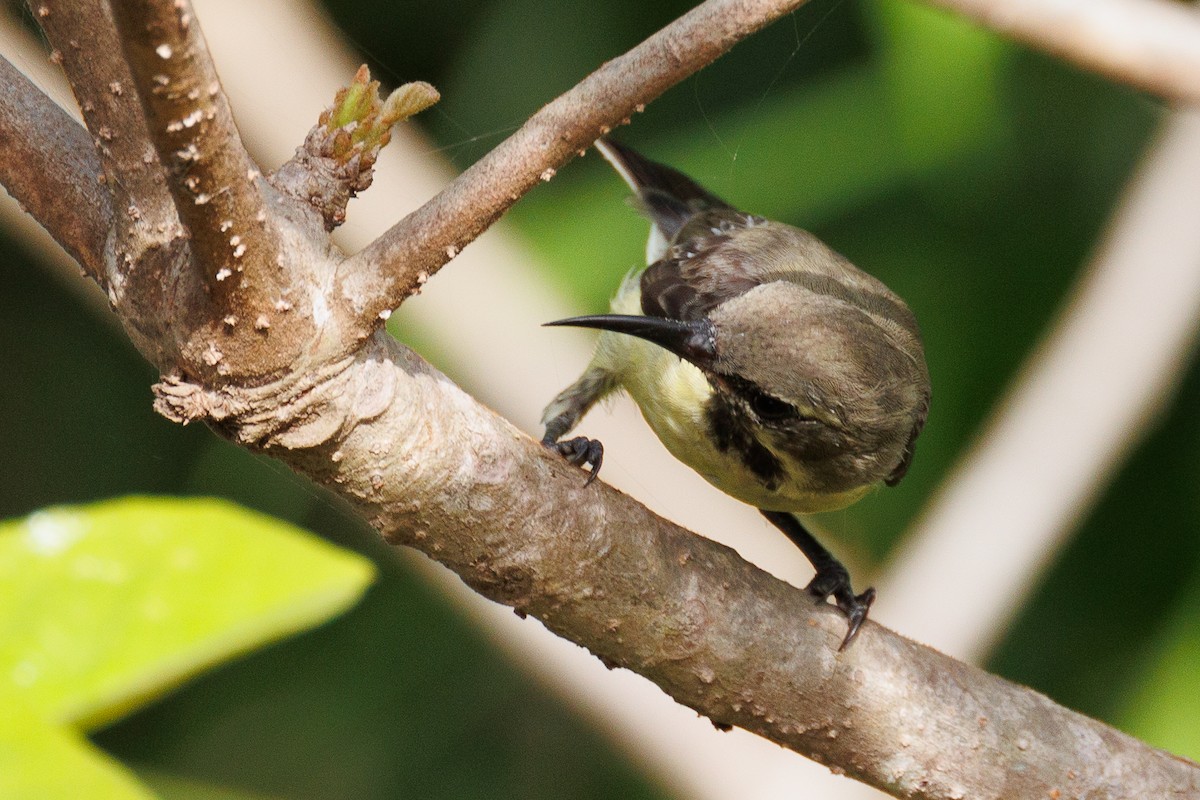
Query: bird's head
point(802, 383)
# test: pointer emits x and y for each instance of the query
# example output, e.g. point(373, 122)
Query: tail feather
point(666, 195)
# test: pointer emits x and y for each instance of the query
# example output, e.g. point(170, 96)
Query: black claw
point(834, 582)
point(581, 452)
point(855, 607)
point(831, 580)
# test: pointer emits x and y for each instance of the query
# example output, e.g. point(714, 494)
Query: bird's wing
point(698, 273)
point(690, 221)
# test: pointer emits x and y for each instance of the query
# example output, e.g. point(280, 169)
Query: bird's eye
point(767, 407)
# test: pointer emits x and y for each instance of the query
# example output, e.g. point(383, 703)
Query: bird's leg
point(565, 411)
point(831, 580)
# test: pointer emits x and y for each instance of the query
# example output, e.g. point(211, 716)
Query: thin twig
point(401, 260)
point(1148, 43)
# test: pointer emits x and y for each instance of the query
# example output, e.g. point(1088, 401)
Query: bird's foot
point(834, 581)
point(580, 451)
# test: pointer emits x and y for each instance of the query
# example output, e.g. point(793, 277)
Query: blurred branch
point(1114, 377)
point(400, 261)
point(1151, 44)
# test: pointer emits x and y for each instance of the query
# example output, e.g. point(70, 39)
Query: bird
point(764, 360)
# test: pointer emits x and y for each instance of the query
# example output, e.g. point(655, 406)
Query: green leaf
point(104, 607)
point(41, 761)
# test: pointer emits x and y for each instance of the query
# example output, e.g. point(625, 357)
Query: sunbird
point(768, 363)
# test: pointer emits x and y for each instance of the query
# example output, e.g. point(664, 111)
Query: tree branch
point(402, 259)
point(199, 268)
point(102, 83)
point(51, 167)
point(434, 470)
point(214, 183)
point(1151, 44)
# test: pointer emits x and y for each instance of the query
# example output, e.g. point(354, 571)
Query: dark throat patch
point(732, 432)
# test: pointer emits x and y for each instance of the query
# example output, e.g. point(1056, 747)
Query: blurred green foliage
point(970, 174)
point(107, 606)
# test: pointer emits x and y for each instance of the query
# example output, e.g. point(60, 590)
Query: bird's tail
point(666, 195)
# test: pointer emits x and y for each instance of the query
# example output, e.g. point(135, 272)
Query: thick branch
point(201, 268)
point(399, 262)
point(215, 184)
point(1151, 44)
point(50, 166)
point(435, 470)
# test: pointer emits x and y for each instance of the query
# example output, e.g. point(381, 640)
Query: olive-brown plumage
point(767, 362)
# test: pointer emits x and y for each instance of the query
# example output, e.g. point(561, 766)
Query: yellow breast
point(673, 395)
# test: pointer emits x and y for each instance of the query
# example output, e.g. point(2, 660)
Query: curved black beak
point(693, 340)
